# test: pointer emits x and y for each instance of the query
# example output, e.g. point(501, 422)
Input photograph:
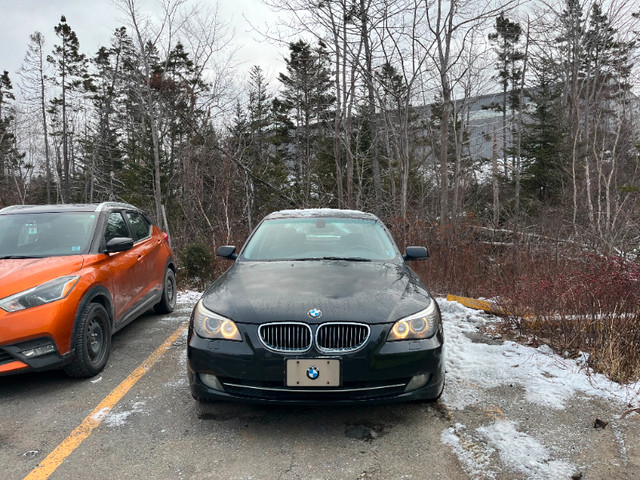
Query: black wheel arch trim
point(171, 263)
point(97, 292)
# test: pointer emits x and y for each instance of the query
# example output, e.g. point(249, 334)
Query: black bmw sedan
point(318, 307)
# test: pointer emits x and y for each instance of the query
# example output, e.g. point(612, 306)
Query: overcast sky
point(94, 22)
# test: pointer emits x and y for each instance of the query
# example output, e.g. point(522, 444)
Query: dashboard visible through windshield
point(45, 234)
point(320, 238)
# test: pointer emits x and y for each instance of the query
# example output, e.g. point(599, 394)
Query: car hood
point(370, 292)
point(17, 275)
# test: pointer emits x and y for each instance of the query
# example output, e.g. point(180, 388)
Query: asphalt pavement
point(137, 420)
point(156, 430)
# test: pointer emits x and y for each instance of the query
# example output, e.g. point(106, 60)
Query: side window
point(140, 226)
point(116, 227)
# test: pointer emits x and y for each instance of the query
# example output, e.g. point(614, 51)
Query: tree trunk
point(375, 161)
point(496, 186)
point(444, 152)
point(66, 189)
point(43, 109)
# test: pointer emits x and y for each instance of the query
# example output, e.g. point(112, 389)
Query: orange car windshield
point(31, 235)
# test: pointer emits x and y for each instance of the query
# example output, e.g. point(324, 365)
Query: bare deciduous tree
point(33, 75)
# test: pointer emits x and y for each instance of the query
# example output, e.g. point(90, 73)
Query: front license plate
point(318, 372)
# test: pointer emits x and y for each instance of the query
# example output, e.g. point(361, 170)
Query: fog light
point(417, 382)
point(211, 381)
point(38, 351)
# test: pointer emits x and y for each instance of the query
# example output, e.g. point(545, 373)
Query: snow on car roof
point(321, 212)
point(66, 207)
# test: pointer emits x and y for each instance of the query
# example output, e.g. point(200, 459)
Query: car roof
point(69, 207)
point(321, 212)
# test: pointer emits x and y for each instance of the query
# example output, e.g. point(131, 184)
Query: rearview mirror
point(416, 253)
point(119, 244)
point(227, 251)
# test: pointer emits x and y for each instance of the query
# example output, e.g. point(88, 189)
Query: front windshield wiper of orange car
point(18, 257)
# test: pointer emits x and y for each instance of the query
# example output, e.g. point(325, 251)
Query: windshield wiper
point(14, 257)
point(348, 259)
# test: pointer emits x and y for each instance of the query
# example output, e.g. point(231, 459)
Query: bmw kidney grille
point(341, 337)
point(286, 337)
point(291, 337)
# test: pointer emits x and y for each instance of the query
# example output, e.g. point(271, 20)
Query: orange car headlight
point(48, 292)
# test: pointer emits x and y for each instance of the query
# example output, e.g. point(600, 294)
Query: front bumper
point(35, 355)
point(48, 324)
point(380, 372)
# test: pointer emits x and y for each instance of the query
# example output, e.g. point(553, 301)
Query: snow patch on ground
point(119, 419)
point(549, 381)
point(99, 415)
point(474, 455)
point(521, 452)
point(518, 452)
point(188, 298)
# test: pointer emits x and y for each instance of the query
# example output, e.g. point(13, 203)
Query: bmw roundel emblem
point(315, 313)
point(313, 373)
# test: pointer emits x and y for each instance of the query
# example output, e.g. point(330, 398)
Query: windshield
point(320, 238)
point(28, 235)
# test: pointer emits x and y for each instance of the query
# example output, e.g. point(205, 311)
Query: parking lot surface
point(508, 412)
point(156, 430)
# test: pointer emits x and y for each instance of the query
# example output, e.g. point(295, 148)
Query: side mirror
point(227, 251)
point(119, 244)
point(416, 253)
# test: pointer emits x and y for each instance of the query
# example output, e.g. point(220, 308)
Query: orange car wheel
point(91, 342)
point(169, 293)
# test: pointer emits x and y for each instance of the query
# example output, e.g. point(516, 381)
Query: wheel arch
point(98, 294)
point(166, 305)
point(171, 263)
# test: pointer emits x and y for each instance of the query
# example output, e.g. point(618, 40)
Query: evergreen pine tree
point(307, 99)
point(546, 161)
point(71, 76)
point(506, 37)
point(9, 156)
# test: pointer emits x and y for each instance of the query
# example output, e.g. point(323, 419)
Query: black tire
point(169, 293)
point(91, 343)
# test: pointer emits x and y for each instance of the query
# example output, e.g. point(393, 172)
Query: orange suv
point(73, 275)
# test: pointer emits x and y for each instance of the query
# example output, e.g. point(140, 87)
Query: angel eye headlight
point(208, 324)
point(418, 326)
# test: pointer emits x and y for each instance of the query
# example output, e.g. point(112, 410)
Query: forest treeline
point(374, 110)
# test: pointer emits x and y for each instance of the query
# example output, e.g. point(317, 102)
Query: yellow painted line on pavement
point(82, 431)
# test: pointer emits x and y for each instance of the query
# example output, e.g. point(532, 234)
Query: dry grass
point(574, 302)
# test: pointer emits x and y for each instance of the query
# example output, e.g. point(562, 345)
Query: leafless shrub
point(575, 302)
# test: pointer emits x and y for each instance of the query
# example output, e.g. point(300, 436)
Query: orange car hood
point(17, 275)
